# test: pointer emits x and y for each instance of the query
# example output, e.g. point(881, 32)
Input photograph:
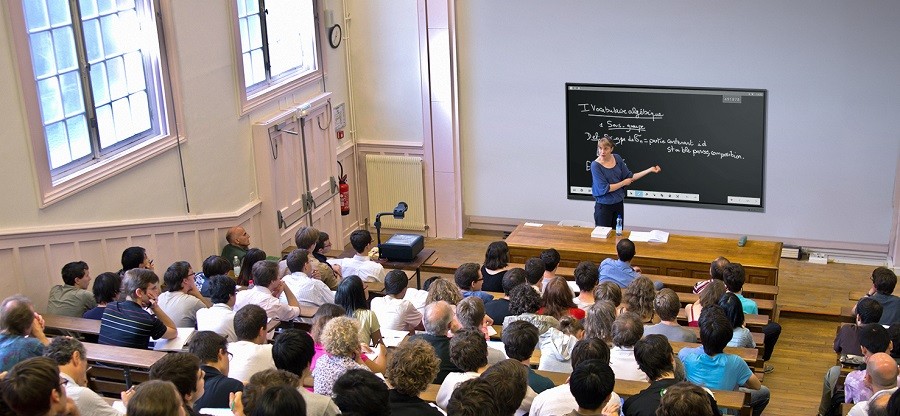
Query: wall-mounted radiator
point(391, 179)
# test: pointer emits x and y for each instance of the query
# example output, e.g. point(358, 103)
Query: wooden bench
point(116, 369)
point(70, 324)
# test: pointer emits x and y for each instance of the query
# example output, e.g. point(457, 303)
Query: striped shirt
point(126, 324)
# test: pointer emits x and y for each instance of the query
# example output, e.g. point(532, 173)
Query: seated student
point(470, 315)
point(556, 345)
point(72, 298)
point(183, 370)
point(684, 399)
point(498, 309)
point(135, 258)
point(438, 322)
point(881, 378)
point(666, 305)
point(293, 351)
point(708, 297)
point(266, 292)
point(126, 323)
point(608, 291)
point(278, 401)
point(352, 295)
point(106, 290)
point(219, 318)
point(620, 271)
point(393, 311)
point(496, 264)
point(257, 398)
point(468, 278)
point(710, 367)
point(468, 352)
point(519, 340)
point(510, 387)
point(883, 282)
point(339, 337)
point(534, 273)
point(627, 329)
point(734, 277)
point(524, 305)
point(410, 370)
point(308, 291)
point(155, 398)
point(419, 297)
point(716, 272)
point(638, 298)
point(741, 337)
point(655, 357)
point(359, 392)
point(551, 260)
point(182, 299)
point(325, 313)
point(846, 342)
point(559, 400)
point(70, 355)
point(873, 339)
point(21, 332)
point(238, 243)
point(586, 277)
point(32, 387)
point(309, 238)
point(212, 266)
point(250, 354)
point(556, 299)
point(474, 397)
point(245, 274)
point(212, 350)
point(360, 264)
point(592, 383)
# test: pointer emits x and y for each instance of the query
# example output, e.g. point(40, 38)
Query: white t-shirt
point(623, 364)
point(308, 291)
point(367, 270)
point(180, 307)
point(396, 314)
point(262, 296)
point(218, 318)
point(559, 401)
point(248, 359)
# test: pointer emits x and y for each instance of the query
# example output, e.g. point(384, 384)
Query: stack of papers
point(655, 236)
point(601, 232)
point(175, 344)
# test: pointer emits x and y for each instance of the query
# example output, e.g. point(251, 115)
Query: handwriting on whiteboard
point(615, 112)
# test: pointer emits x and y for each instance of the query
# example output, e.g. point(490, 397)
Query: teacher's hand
point(655, 169)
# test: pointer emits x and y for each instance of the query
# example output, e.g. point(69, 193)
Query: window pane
point(42, 57)
point(241, 9)
point(255, 32)
point(126, 4)
point(93, 41)
point(64, 48)
point(79, 141)
point(51, 101)
point(73, 98)
point(106, 6)
point(252, 6)
point(248, 70)
point(245, 35)
point(57, 145)
point(106, 126)
point(59, 12)
point(88, 9)
point(129, 31)
point(118, 86)
point(36, 17)
point(134, 70)
point(140, 112)
point(109, 27)
point(99, 85)
point(122, 117)
point(259, 69)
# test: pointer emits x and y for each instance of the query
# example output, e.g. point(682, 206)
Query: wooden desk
point(682, 256)
point(415, 265)
point(68, 323)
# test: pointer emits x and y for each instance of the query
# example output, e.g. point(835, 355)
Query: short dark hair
point(360, 239)
point(734, 277)
point(306, 237)
point(468, 350)
point(261, 381)
point(106, 287)
point(470, 312)
point(473, 397)
point(16, 315)
point(29, 384)
point(684, 399)
point(72, 271)
point(496, 256)
point(155, 398)
point(524, 299)
point(512, 278)
point(884, 280)
point(627, 329)
point(869, 310)
point(180, 368)
point(591, 383)
point(551, 259)
point(466, 275)
point(666, 304)
point(265, 272)
point(608, 290)
point(590, 349)
point(586, 276)
point(625, 249)
point(874, 337)
point(293, 351)
point(894, 333)
point(206, 345)
point(175, 275)
point(653, 354)
point(395, 282)
point(717, 268)
point(351, 294)
point(361, 392)
point(216, 265)
point(733, 308)
point(132, 257)
point(519, 340)
point(248, 320)
point(320, 243)
point(509, 380)
point(715, 329)
point(427, 283)
point(221, 288)
point(297, 260)
point(61, 350)
point(534, 270)
point(278, 401)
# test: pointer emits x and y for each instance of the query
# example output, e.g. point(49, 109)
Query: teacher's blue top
point(602, 177)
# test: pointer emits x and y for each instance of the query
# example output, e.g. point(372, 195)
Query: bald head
point(881, 371)
point(238, 236)
point(438, 316)
point(717, 268)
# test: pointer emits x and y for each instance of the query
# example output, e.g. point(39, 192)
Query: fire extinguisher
point(344, 191)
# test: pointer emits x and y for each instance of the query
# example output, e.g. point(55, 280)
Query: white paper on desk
point(175, 344)
point(216, 411)
point(393, 337)
point(533, 224)
point(655, 236)
point(601, 232)
point(491, 331)
point(573, 286)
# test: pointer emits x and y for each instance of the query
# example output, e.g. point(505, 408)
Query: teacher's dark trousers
point(605, 214)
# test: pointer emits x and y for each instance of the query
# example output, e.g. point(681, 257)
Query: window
point(94, 86)
point(278, 47)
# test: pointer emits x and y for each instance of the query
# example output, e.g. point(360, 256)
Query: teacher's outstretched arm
point(641, 174)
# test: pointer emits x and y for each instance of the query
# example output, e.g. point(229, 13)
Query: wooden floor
point(810, 297)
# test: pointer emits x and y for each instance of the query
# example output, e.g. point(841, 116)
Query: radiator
point(391, 179)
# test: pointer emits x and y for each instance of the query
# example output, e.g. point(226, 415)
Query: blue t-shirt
point(15, 348)
point(486, 297)
point(721, 372)
point(602, 177)
point(747, 305)
point(617, 271)
point(96, 313)
point(539, 383)
point(126, 324)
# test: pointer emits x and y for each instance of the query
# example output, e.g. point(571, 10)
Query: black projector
point(401, 247)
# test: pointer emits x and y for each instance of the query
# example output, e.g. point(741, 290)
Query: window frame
point(282, 84)
point(114, 159)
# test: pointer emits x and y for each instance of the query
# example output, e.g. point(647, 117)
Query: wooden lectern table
point(683, 255)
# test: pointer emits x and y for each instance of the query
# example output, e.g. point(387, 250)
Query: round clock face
point(334, 36)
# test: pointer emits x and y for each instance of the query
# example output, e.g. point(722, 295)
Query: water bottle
point(237, 266)
point(619, 225)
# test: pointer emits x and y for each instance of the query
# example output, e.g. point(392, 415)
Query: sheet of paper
point(216, 411)
point(639, 236)
point(175, 344)
point(533, 224)
point(393, 338)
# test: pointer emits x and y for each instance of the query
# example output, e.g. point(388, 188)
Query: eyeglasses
point(63, 382)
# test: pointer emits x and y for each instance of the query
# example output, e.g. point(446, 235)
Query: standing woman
point(610, 177)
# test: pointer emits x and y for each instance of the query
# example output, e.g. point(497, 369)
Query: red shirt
point(576, 313)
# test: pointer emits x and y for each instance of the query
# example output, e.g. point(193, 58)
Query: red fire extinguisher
point(344, 191)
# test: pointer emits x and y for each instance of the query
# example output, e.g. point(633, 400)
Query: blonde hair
point(340, 337)
point(443, 289)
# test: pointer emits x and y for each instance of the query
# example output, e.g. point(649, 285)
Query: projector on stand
point(401, 247)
